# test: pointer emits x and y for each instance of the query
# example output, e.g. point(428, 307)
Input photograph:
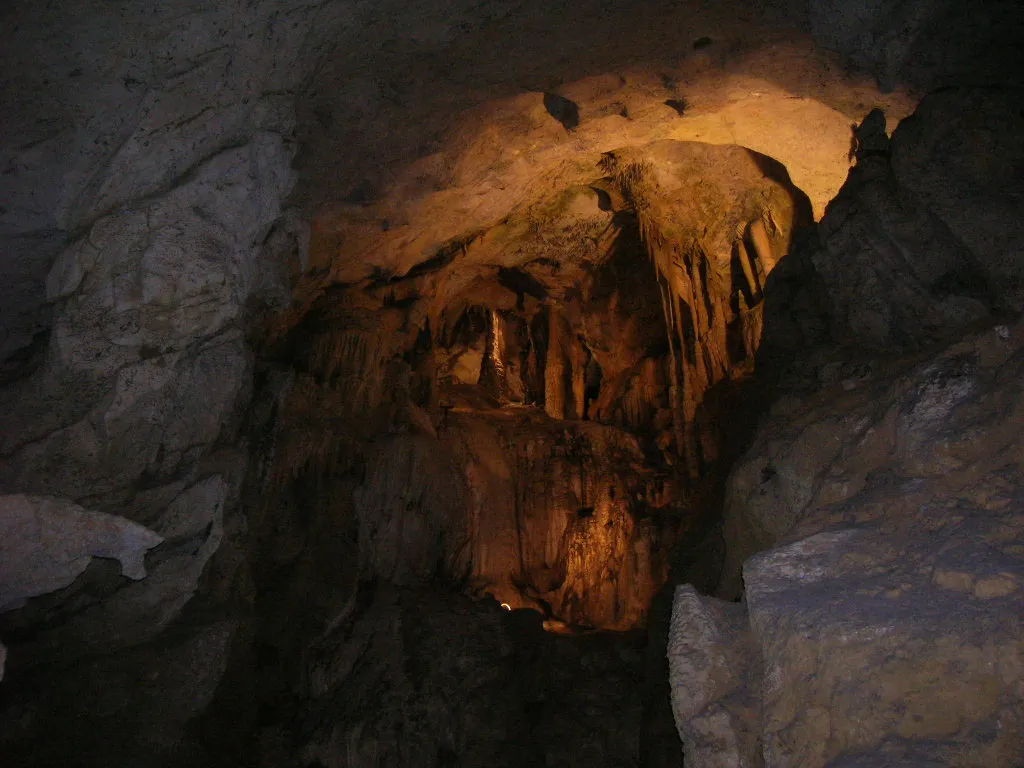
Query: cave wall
point(147, 154)
point(874, 522)
point(539, 431)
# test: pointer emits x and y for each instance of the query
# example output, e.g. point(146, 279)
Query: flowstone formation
point(539, 428)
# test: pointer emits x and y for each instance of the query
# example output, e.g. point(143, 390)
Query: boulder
point(886, 602)
point(714, 674)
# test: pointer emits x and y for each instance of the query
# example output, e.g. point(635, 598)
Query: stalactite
point(554, 369)
point(743, 257)
point(354, 364)
point(578, 362)
point(493, 372)
point(758, 235)
point(699, 307)
point(675, 367)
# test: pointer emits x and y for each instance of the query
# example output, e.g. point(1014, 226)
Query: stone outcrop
point(48, 543)
point(496, 278)
point(715, 676)
point(873, 526)
point(921, 244)
point(139, 705)
point(146, 157)
point(960, 156)
point(135, 99)
point(155, 215)
point(891, 519)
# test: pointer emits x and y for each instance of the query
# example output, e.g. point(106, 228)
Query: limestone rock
point(922, 244)
point(959, 154)
point(896, 576)
point(154, 692)
point(48, 542)
point(716, 221)
point(846, 617)
point(402, 677)
point(714, 674)
point(411, 513)
point(894, 276)
point(136, 99)
point(926, 43)
point(549, 521)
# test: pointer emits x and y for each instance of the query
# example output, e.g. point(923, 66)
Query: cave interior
point(598, 382)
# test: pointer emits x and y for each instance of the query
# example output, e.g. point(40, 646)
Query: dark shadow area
point(679, 105)
point(563, 110)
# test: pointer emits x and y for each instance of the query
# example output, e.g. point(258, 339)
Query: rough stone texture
point(145, 159)
point(164, 199)
point(554, 475)
point(453, 273)
point(714, 672)
point(141, 703)
point(716, 221)
point(147, 305)
point(897, 577)
point(178, 84)
point(921, 245)
point(895, 276)
point(46, 543)
point(960, 155)
point(937, 624)
point(928, 43)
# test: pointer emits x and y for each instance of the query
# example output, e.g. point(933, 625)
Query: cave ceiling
point(434, 127)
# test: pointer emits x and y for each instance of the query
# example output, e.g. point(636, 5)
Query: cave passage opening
point(539, 411)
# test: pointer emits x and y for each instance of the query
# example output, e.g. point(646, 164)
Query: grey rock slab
point(48, 542)
point(714, 677)
point(864, 638)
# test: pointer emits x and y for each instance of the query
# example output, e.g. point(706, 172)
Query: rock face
point(163, 200)
point(714, 236)
point(715, 674)
point(896, 575)
point(136, 99)
point(875, 520)
point(500, 361)
point(146, 156)
point(402, 679)
point(48, 543)
point(914, 41)
point(931, 190)
point(534, 429)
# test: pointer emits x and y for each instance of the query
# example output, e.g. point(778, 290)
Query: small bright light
point(506, 606)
